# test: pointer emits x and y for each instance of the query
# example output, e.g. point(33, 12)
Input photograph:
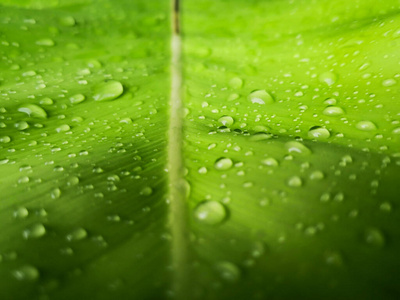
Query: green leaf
point(275, 177)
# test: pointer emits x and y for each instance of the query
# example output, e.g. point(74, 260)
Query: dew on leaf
point(34, 231)
point(223, 164)
point(20, 212)
point(270, 161)
point(55, 193)
point(389, 82)
point(260, 97)
point(26, 273)
point(295, 181)
point(63, 128)
point(366, 126)
point(33, 110)
point(228, 271)
point(333, 111)
point(146, 191)
point(46, 101)
point(67, 21)
point(76, 235)
point(333, 258)
point(109, 90)
point(78, 98)
point(297, 148)
point(316, 175)
point(22, 125)
point(45, 42)
point(226, 120)
point(319, 133)
point(210, 212)
point(328, 77)
point(374, 237)
point(5, 139)
point(236, 83)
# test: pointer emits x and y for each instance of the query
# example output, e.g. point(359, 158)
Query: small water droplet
point(374, 237)
point(210, 212)
point(76, 235)
point(295, 181)
point(45, 42)
point(63, 128)
point(78, 98)
point(146, 191)
point(236, 83)
point(20, 212)
point(228, 271)
point(328, 77)
point(22, 125)
point(55, 193)
point(389, 82)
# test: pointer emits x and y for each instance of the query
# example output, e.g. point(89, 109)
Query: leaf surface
point(290, 146)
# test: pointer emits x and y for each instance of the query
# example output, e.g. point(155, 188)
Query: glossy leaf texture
point(290, 138)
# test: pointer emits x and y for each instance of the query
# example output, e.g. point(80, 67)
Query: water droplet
point(5, 139)
point(389, 82)
point(328, 77)
point(21, 212)
point(333, 258)
point(319, 133)
point(261, 136)
point(46, 101)
point(22, 125)
point(365, 126)
point(374, 237)
point(270, 161)
point(333, 111)
point(73, 180)
point(146, 191)
point(109, 90)
point(33, 110)
point(223, 164)
point(295, 181)
point(210, 212)
point(55, 193)
point(316, 175)
point(26, 273)
point(228, 271)
point(34, 231)
point(297, 148)
point(202, 170)
point(236, 83)
point(76, 235)
point(260, 97)
point(67, 21)
point(385, 206)
point(45, 42)
point(226, 120)
point(63, 128)
point(78, 98)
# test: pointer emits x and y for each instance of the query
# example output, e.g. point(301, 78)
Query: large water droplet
point(297, 148)
point(33, 110)
point(226, 120)
point(328, 77)
point(236, 83)
point(319, 133)
point(333, 111)
point(228, 271)
point(260, 97)
point(210, 212)
point(26, 273)
point(77, 235)
point(109, 90)
point(366, 126)
point(34, 231)
point(223, 164)
point(78, 98)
